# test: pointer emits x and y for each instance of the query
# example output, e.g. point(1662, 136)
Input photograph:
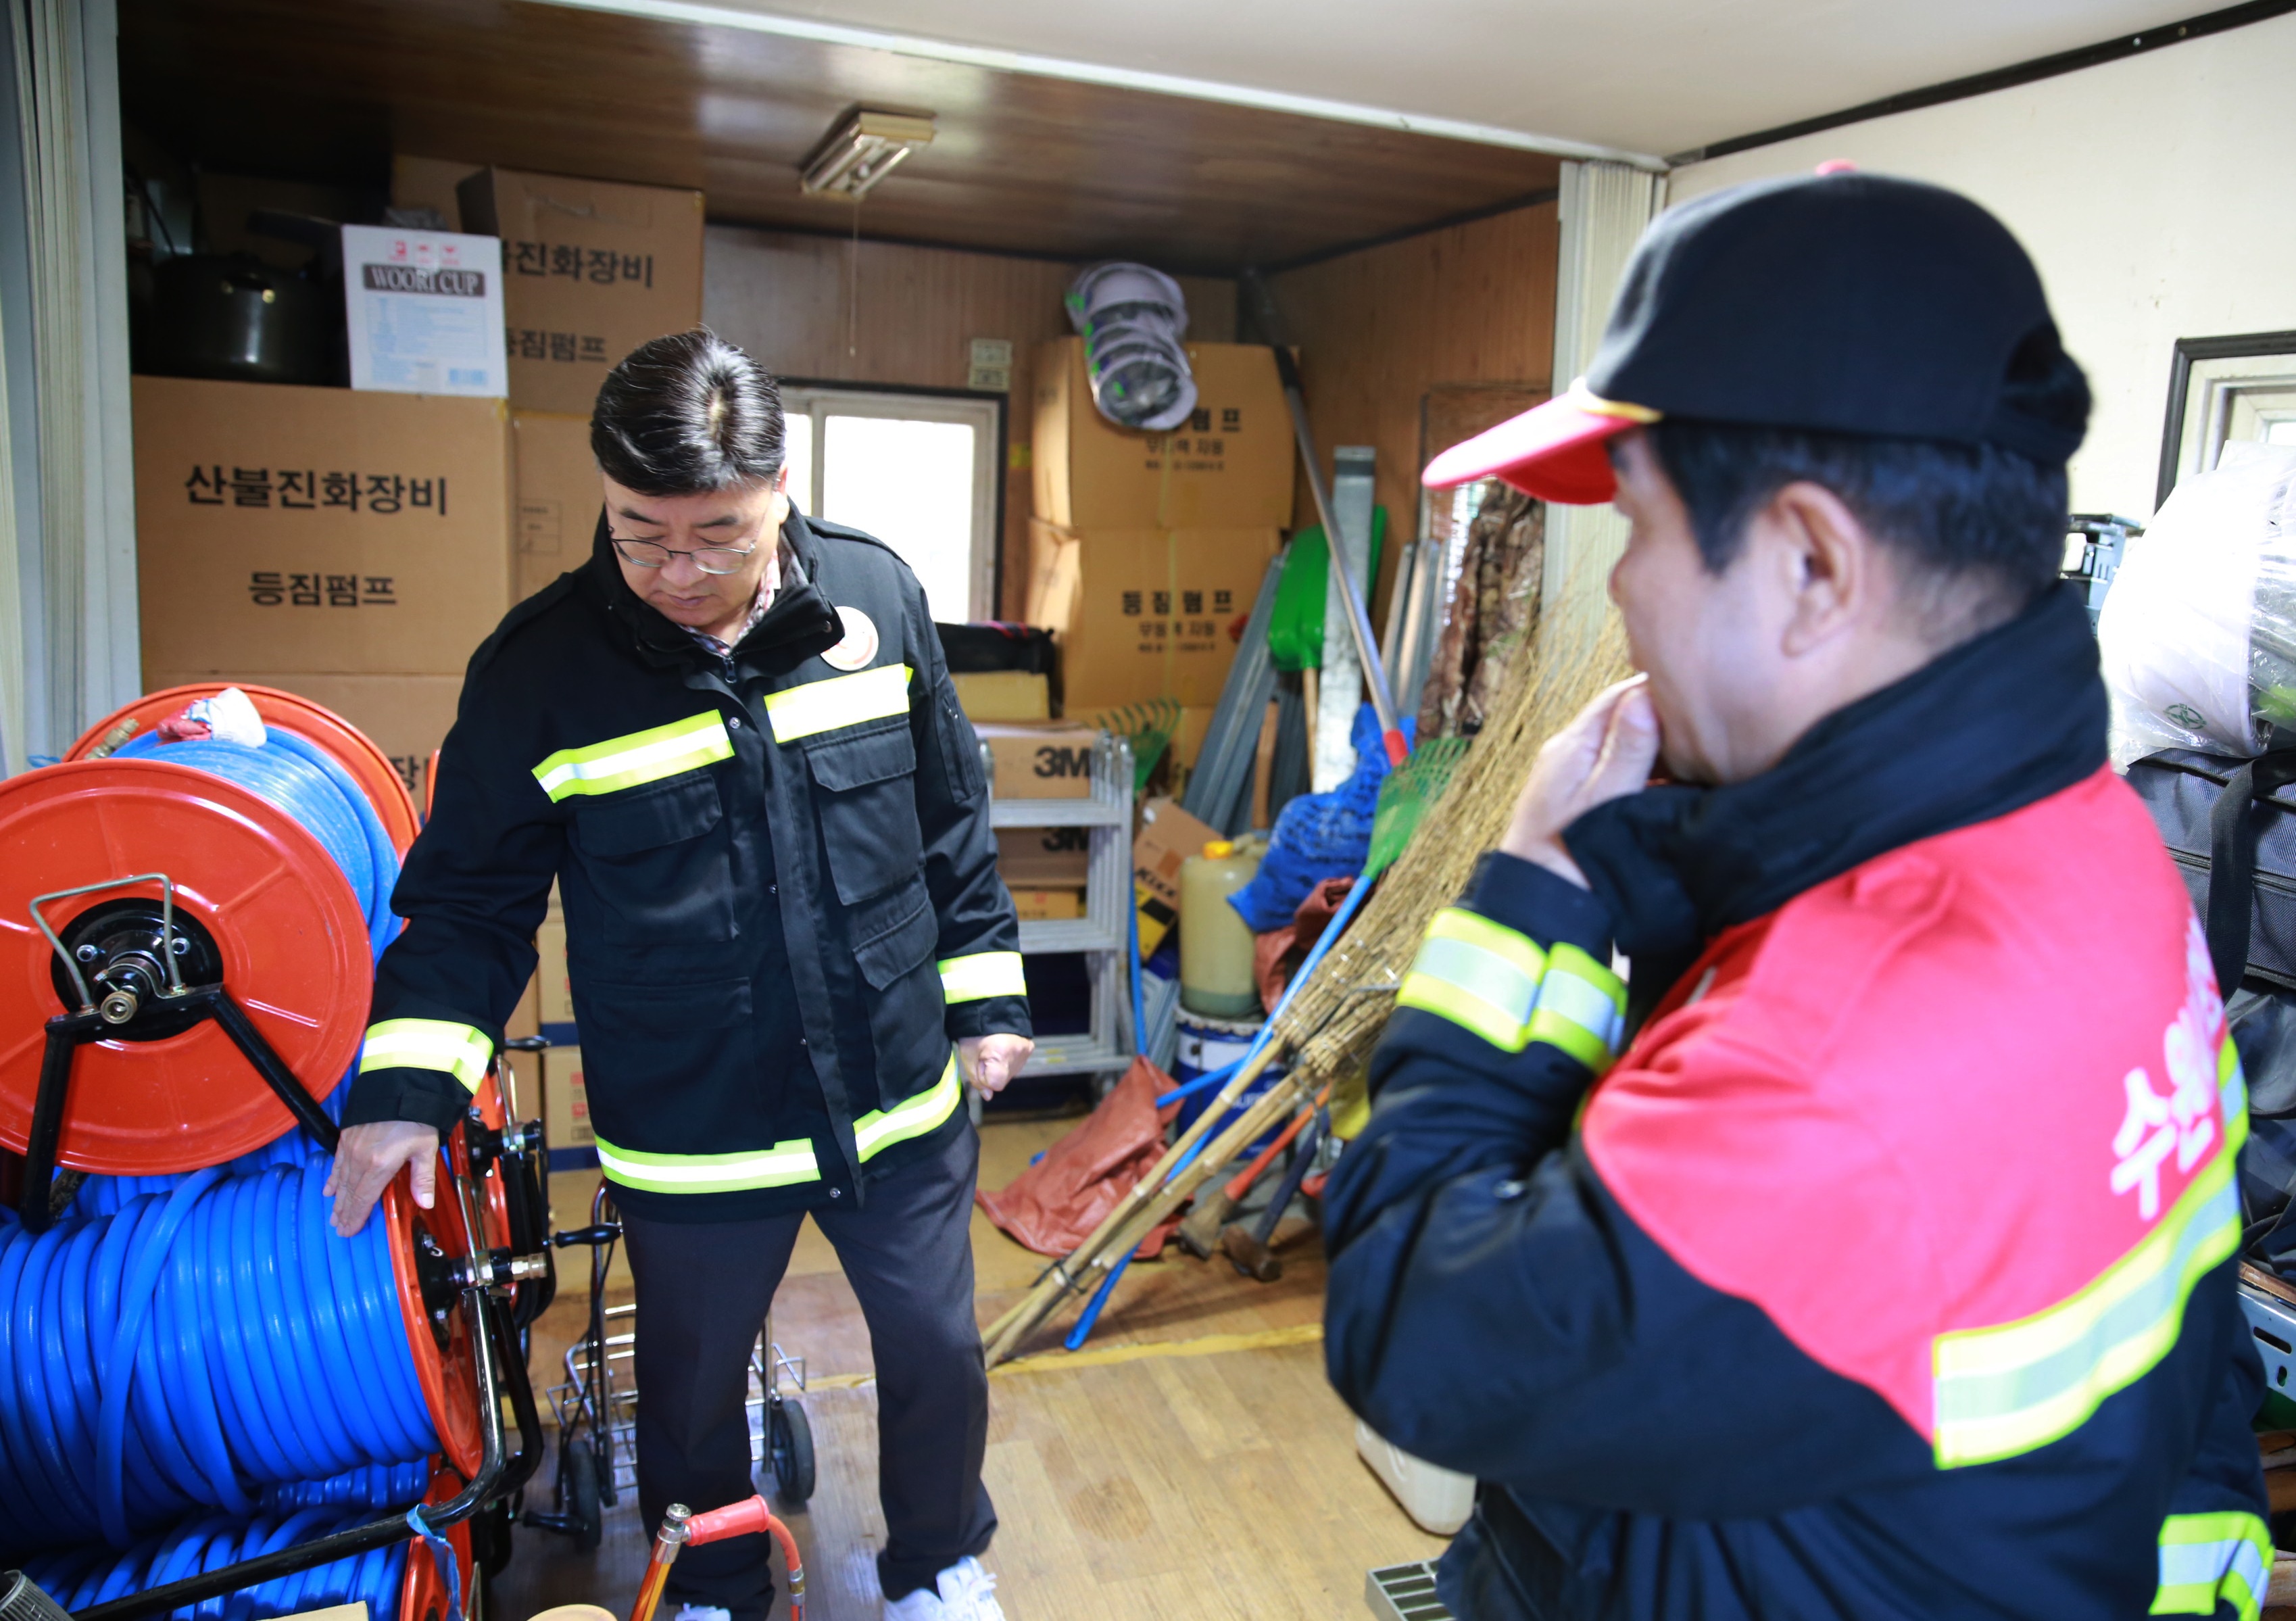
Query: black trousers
point(702, 1290)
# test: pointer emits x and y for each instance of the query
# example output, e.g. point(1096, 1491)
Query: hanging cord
point(442, 1554)
point(189, 1351)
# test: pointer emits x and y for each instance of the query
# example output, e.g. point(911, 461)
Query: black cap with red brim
point(1837, 304)
point(1559, 451)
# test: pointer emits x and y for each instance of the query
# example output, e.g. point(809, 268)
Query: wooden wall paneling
point(1377, 329)
point(887, 316)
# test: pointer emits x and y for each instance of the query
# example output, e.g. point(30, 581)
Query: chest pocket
point(660, 859)
point(866, 788)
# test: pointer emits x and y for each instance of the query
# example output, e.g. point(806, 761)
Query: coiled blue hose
point(108, 1195)
point(94, 1576)
point(379, 1486)
point(192, 1349)
point(311, 785)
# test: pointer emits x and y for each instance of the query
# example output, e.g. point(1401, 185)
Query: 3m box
point(1228, 467)
point(1039, 759)
point(559, 496)
point(318, 529)
point(591, 269)
point(425, 311)
point(1044, 858)
point(1143, 613)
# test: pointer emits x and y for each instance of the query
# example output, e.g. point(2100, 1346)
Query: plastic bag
point(2198, 635)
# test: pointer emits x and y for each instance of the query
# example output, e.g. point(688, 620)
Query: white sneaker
point(704, 1612)
point(967, 1594)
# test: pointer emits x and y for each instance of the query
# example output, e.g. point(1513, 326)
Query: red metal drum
point(447, 1372)
point(262, 899)
point(368, 765)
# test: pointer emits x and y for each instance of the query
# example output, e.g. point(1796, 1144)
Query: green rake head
point(1405, 796)
point(1151, 725)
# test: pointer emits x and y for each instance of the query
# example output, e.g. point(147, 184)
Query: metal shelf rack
point(1101, 933)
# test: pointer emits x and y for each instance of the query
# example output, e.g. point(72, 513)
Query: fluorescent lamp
point(862, 149)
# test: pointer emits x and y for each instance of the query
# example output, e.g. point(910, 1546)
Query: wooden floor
point(1190, 1461)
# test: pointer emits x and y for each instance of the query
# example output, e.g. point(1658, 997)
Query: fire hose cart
point(215, 1393)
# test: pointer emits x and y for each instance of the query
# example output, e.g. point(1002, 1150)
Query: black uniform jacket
point(780, 888)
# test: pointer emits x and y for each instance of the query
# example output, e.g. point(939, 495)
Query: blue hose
point(191, 1350)
point(312, 786)
point(94, 1576)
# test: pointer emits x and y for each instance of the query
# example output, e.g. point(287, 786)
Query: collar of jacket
point(801, 623)
point(1998, 722)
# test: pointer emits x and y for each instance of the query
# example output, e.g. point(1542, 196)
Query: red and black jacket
point(1888, 1271)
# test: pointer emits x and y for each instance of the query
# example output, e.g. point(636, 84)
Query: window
point(917, 470)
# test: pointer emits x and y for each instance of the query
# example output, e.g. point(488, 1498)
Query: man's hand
point(987, 1062)
point(368, 1157)
point(1605, 753)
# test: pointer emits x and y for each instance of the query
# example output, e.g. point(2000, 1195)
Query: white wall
point(2158, 195)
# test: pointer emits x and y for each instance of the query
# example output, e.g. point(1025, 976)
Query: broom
point(1341, 1007)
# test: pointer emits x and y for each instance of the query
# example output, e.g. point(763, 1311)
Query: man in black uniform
point(732, 740)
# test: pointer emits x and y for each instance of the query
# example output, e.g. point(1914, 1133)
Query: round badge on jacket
point(860, 643)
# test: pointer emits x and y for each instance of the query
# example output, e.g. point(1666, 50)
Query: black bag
point(2231, 826)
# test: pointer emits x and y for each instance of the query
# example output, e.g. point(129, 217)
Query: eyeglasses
point(708, 559)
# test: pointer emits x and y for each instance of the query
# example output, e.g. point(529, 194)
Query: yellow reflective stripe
point(2211, 1558)
point(461, 1050)
point(910, 1117)
point(783, 1166)
point(847, 699)
point(2232, 1095)
point(1582, 1008)
point(642, 757)
point(2008, 1389)
point(1481, 976)
point(983, 974)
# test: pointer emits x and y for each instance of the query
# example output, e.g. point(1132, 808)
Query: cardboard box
point(557, 997)
point(559, 496)
point(1143, 614)
point(1228, 467)
point(406, 717)
point(1047, 905)
point(425, 311)
point(1003, 694)
point(318, 529)
point(525, 1020)
point(1168, 837)
point(1039, 759)
point(591, 270)
point(570, 1207)
point(429, 183)
point(1044, 858)
point(565, 1102)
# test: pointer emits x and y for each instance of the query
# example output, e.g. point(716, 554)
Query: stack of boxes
point(354, 546)
point(1147, 549)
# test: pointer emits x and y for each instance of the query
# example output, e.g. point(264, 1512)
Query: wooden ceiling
point(327, 89)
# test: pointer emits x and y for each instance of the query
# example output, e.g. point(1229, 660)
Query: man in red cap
point(1866, 1250)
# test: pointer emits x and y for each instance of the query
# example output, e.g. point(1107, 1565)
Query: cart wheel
point(791, 1437)
point(582, 1482)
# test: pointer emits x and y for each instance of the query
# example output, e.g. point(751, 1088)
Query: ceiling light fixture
point(862, 149)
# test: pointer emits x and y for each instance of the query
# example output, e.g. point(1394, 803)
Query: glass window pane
point(797, 456)
point(910, 484)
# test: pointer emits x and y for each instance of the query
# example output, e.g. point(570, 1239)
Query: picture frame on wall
point(2224, 389)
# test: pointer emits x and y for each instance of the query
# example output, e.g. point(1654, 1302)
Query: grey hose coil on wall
point(1132, 319)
